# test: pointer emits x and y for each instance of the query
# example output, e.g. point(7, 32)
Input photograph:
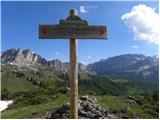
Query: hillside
point(28, 59)
point(127, 66)
point(44, 87)
point(25, 79)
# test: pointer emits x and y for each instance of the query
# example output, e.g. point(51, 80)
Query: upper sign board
point(72, 32)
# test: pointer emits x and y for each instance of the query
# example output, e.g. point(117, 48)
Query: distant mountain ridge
point(25, 58)
point(19, 57)
point(132, 66)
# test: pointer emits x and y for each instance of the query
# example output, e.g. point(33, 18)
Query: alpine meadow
point(80, 59)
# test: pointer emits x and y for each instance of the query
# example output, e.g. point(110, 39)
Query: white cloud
point(89, 57)
point(144, 22)
point(134, 46)
point(83, 9)
point(86, 9)
point(56, 53)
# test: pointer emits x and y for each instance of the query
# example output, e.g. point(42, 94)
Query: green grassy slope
point(14, 82)
point(148, 109)
point(35, 107)
point(22, 109)
point(32, 98)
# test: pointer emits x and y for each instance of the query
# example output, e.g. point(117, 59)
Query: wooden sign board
point(72, 32)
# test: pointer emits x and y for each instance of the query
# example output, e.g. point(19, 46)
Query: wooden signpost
point(72, 31)
point(73, 28)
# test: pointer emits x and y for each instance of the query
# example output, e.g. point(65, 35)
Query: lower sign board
point(72, 32)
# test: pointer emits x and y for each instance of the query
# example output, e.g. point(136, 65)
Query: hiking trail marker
point(73, 28)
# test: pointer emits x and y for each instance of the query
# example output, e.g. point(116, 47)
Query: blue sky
point(20, 22)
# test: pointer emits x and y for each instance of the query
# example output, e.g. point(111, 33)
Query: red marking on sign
point(44, 31)
point(102, 32)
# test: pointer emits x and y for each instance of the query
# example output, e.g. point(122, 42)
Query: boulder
point(88, 108)
point(132, 100)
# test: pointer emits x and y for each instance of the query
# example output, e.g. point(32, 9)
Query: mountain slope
point(37, 85)
point(25, 58)
point(130, 66)
point(21, 58)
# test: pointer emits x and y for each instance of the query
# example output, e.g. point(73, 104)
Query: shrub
point(38, 100)
point(4, 93)
point(156, 96)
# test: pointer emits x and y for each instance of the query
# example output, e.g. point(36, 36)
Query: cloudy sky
point(132, 28)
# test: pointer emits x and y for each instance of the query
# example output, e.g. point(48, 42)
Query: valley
point(38, 88)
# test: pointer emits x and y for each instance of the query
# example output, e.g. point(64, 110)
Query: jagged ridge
point(135, 66)
point(25, 58)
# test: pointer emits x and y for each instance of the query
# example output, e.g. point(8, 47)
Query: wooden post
point(66, 29)
point(73, 75)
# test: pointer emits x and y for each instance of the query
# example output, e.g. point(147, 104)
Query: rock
point(84, 69)
point(111, 116)
point(19, 53)
point(28, 59)
point(83, 98)
point(89, 108)
point(35, 57)
point(58, 65)
point(61, 113)
point(67, 90)
point(132, 100)
point(128, 109)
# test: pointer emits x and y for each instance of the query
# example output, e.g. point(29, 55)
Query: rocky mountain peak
point(83, 68)
point(19, 52)
point(27, 54)
point(8, 56)
point(26, 58)
point(132, 66)
point(20, 57)
point(58, 65)
point(35, 57)
point(122, 65)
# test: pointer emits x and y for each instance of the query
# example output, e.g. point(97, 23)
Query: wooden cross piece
point(73, 28)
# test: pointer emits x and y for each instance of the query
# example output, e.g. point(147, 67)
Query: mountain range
point(124, 84)
point(131, 66)
point(26, 58)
